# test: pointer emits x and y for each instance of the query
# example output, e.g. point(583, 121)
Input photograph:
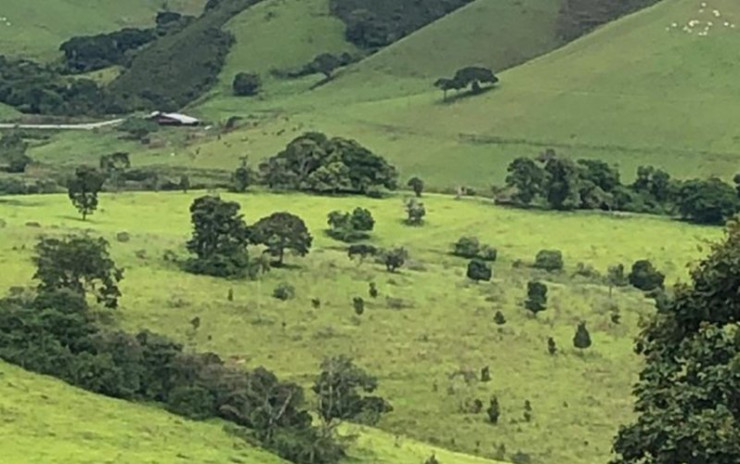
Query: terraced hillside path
point(82, 126)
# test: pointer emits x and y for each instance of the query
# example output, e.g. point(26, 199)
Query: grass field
point(34, 32)
point(445, 323)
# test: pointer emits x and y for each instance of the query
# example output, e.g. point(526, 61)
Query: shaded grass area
point(429, 321)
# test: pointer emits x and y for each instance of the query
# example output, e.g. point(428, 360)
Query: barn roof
point(181, 118)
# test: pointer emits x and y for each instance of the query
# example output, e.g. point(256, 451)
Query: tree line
point(560, 183)
point(53, 330)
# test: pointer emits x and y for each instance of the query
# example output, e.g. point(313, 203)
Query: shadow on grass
point(465, 95)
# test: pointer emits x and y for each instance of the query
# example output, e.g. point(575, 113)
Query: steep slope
point(44, 420)
point(36, 29)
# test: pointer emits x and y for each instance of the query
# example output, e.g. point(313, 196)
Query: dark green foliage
point(284, 292)
point(485, 374)
point(472, 76)
point(645, 276)
point(89, 53)
point(686, 398)
point(415, 212)
point(549, 260)
point(219, 239)
point(138, 128)
point(527, 411)
point(445, 85)
point(707, 201)
point(79, 264)
point(362, 250)
point(114, 167)
point(359, 305)
point(181, 66)
point(350, 227)
point(487, 253)
point(40, 89)
point(479, 270)
point(325, 64)
point(552, 348)
point(499, 318)
point(417, 185)
point(279, 232)
point(467, 247)
point(13, 153)
point(578, 17)
point(493, 411)
point(527, 178)
point(394, 258)
point(344, 392)
point(184, 183)
point(372, 290)
point(246, 84)
point(582, 339)
point(83, 189)
point(314, 163)
point(655, 185)
point(375, 24)
point(536, 297)
point(242, 176)
point(562, 184)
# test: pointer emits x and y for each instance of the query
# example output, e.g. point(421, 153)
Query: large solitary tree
point(282, 231)
point(688, 400)
point(80, 264)
point(83, 189)
point(219, 238)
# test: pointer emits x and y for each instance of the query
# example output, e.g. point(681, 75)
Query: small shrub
point(521, 458)
point(479, 270)
point(587, 271)
point(645, 276)
point(246, 84)
point(488, 253)
point(466, 247)
point(284, 292)
point(549, 260)
point(373, 290)
point(582, 339)
point(485, 374)
point(527, 411)
point(536, 297)
point(315, 303)
point(493, 411)
point(123, 237)
point(359, 305)
point(499, 318)
point(552, 348)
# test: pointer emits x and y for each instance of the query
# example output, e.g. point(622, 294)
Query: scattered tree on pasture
point(325, 64)
point(372, 290)
point(279, 232)
point(242, 176)
point(552, 348)
point(359, 305)
point(219, 240)
point(479, 270)
point(582, 339)
point(686, 403)
point(83, 189)
point(536, 297)
point(13, 152)
point(350, 227)
point(499, 318)
point(493, 411)
point(417, 185)
point(485, 374)
point(246, 84)
point(80, 264)
point(645, 276)
point(549, 260)
point(362, 250)
point(415, 212)
point(527, 411)
point(467, 247)
point(394, 258)
point(344, 392)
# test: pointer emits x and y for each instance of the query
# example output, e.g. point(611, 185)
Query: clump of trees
point(563, 184)
point(350, 227)
point(55, 333)
point(479, 270)
point(315, 163)
point(415, 212)
point(471, 76)
point(689, 376)
point(324, 63)
point(89, 53)
point(471, 248)
point(246, 84)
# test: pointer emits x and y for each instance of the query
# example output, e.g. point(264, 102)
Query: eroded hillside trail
point(82, 126)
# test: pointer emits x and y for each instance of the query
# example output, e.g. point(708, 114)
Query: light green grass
point(578, 401)
point(36, 29)
point(47, 421)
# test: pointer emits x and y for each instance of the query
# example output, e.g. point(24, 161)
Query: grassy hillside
point(429, 321)
point(34, 32)
point(44, 420)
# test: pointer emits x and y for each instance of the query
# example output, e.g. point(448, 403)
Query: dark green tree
point(549, 260)
point(114, 167)
point(350, 227)
point(493, 411)
point(13, 152)
point(246, 84)
point(479, 270)
point(467, 247)
point(474, 76)
point(415, 212)
point(220, 237)
point(552, 348)
point(445, 85)
point(645, 276)
point(242, 176)
point(562, 184)
point(344, 392)
point(582, 339)
point(499, 318)
point(707, 201)
point(527, 178)
point(282, 231)
point(417, 185)
point(358, 303)
point(83, 189)
point(536, 297)
point(326, 64)
point(80, 264)
point(394, 258)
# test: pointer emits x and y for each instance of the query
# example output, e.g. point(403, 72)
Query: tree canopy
point(279, 232)
point(83, 189)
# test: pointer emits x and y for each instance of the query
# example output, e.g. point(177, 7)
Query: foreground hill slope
point(36, 29)
point(44, 420)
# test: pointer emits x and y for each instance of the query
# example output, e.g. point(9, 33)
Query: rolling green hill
point(31, 31)
point(429, 326)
